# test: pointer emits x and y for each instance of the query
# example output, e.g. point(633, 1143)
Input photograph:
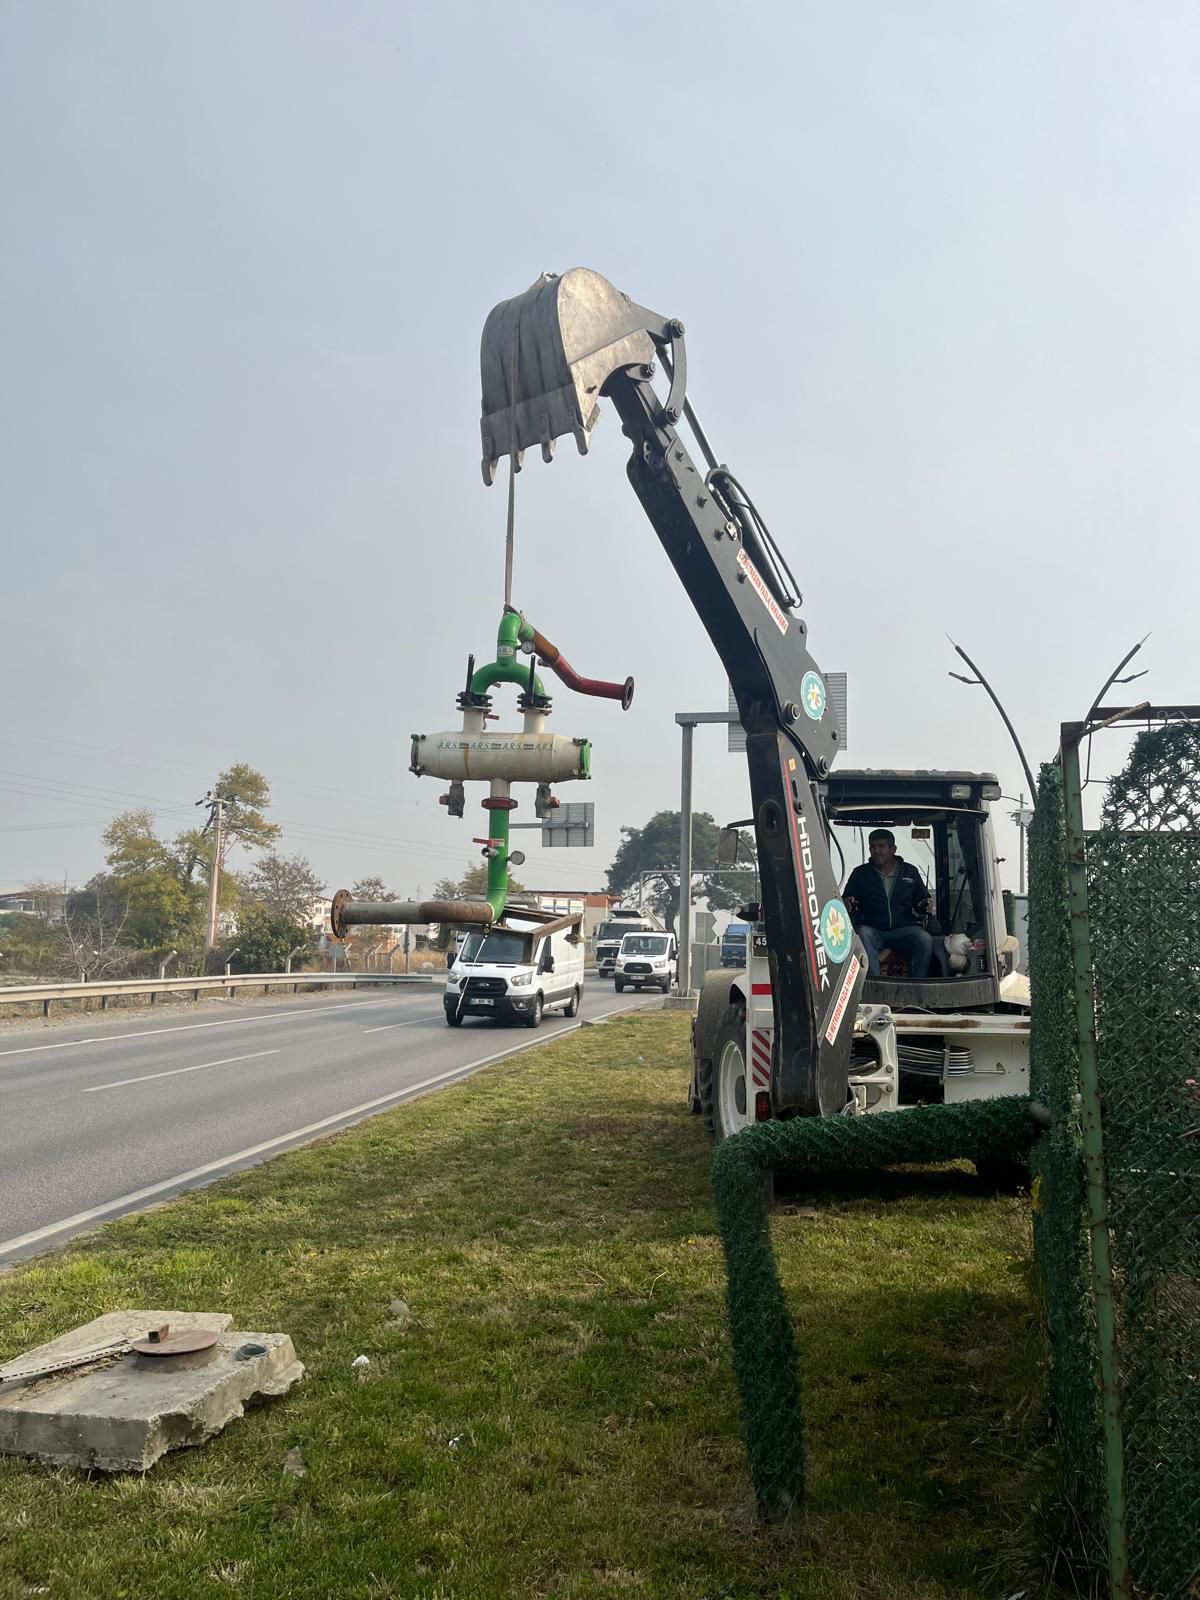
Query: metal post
point(685, 861)
point(1004, 716)
point(1021, 835)
point(1093, 1155)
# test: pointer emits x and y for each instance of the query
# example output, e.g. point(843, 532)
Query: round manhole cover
point(184, 1343)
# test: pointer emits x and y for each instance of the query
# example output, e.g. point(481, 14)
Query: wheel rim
point(731, 1087)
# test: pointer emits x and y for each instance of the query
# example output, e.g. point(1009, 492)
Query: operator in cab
point(885, 896)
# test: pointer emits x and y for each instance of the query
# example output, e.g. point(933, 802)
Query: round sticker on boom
point(812, 696)
point(837, 931)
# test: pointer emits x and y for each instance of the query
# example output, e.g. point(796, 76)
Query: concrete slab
point(126, 1413)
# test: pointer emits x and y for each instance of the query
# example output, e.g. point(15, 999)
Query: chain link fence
point(1115, 1055)
point(765, 1359)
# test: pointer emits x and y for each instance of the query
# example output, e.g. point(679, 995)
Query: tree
point(647, 864)
point(286, 886)
point(164, 884)
point(164, 906)
point(371, 889)
point(371, 936)
point(267, 938)
point(247, 794)
point(91, 929)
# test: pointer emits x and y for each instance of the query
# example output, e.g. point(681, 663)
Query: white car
point(645, 961)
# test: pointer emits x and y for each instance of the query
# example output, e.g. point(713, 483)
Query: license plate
point(483, 1002)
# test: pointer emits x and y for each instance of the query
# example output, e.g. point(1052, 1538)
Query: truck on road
point(621, 920)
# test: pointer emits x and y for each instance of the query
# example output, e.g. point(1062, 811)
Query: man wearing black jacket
point(885, 896)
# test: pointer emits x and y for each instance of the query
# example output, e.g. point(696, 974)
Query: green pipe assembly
point(501, 759)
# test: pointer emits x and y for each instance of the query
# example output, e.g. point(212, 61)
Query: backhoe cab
point(943, 827)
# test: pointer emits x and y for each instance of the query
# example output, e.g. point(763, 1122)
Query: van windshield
point(644, 944)
point(498, 949)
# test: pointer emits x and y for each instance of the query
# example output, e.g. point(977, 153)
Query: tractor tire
point(721, 1079)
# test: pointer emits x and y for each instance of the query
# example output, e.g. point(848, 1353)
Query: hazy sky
point(937, 264)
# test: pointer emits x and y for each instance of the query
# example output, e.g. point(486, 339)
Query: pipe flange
point(336, 911)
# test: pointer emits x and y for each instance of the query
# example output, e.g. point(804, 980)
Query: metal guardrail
point(46, 993)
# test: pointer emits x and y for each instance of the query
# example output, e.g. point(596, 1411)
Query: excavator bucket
point(545, 356)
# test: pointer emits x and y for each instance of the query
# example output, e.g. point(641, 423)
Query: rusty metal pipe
point(553, 658)
point(349, 913)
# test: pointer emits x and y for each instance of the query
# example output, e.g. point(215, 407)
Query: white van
point(645, 961)
point(514, 973)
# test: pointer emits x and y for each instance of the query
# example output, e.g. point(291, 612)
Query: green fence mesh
point(764, 1351)
point(1143, 917)
point(1059, 1219)
point(1144, 912)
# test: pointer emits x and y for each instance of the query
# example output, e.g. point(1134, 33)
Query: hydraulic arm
point(548, 357)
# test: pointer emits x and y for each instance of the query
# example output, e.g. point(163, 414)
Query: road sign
point(570, 826)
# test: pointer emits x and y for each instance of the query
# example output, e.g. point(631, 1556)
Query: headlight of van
point(452, 980)
point(521, 981)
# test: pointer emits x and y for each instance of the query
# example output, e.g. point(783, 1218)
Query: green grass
point(558, 1415)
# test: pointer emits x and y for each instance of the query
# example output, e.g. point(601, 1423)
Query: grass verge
point(556, 1415)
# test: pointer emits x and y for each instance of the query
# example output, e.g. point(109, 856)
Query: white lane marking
point(411, 1023)
point(175, 1071)
point(226, 1022)
point(126, 1201)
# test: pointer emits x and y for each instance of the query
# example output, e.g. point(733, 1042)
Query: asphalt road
point(114, 1114)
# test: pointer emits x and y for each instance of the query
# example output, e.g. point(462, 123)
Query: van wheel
point(619, 985)
point(571, 1009)
point(534, 1019)
point(453, 1019)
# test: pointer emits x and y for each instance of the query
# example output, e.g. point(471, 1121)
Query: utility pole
point(216, 804)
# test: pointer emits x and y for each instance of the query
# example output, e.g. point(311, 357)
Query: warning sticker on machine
point(843, 1000)
point(759, 585)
